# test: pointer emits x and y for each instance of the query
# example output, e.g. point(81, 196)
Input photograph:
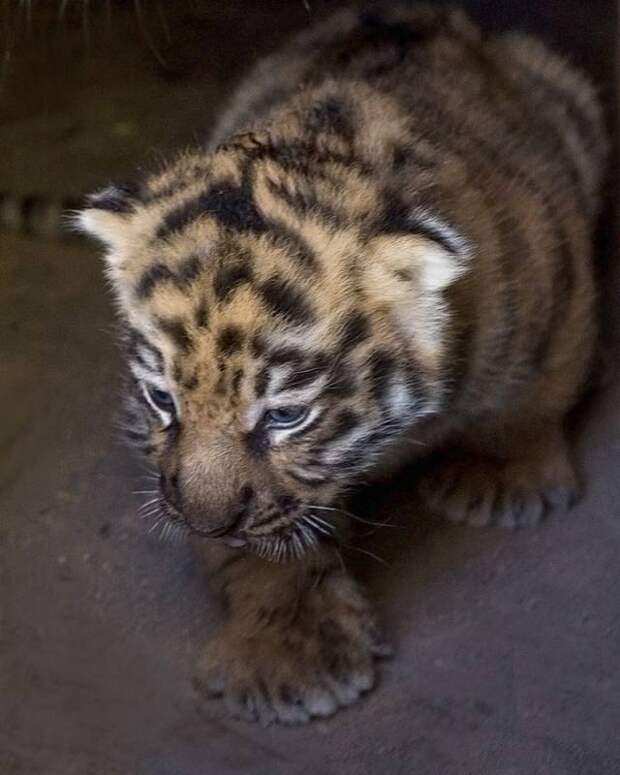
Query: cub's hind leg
point(511, 476)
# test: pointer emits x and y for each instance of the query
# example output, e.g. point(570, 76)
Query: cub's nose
point(212, 515)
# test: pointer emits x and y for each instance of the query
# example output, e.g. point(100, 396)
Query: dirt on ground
point(507, 645)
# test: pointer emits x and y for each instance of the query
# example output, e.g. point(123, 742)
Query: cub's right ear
point(107, 215)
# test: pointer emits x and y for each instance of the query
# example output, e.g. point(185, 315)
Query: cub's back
point(498, 136)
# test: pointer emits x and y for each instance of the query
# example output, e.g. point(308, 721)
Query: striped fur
point(38, 215)
point(401, 245)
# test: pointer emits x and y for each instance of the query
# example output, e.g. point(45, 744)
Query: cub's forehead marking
point(292, 243)
point(286, 300)
point(177, 331)
point(232, 205)
point(159, 273)
point(231, 276)
point(230, 339)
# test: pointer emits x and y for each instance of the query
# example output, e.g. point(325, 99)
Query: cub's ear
point(107, 215)
point(413, 265)
point(405, 277)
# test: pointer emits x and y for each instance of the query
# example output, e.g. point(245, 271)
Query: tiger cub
point(384, 249)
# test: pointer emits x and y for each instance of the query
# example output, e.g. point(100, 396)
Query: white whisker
point(367, 552)
point(149, 505)
point(322, 527)
point(353, 516)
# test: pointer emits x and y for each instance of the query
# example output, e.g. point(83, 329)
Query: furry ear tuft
point(114, 199)
point(407, 267)
point(107, 215)
point(405, 276)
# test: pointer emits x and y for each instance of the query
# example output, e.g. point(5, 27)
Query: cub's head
point(276, 341)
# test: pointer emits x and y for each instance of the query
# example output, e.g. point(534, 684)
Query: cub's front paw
point(294, 662)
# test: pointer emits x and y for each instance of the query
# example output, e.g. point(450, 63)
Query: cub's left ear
point(400, 262)
point(406, 275)
point(107, 214)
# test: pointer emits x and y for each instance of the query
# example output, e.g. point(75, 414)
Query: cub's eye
point(285, 416)
point(160, 399)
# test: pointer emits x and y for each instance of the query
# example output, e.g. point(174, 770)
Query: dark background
point(507, 645)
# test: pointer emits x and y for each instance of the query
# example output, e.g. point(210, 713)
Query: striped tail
point(41, 216)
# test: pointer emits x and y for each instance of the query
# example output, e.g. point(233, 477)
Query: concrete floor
point(507, 645)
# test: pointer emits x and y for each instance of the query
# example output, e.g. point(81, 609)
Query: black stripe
point(187, 271)
point(306, 202)
point(310, 370)
point(182, 277)
point(398, 217)
point(381, 366)
point(377, 29)
point(513, 172)
point(284, 300)
point(134, 435)
point(191, 383)
point(177, 331)
point(531, 118)
point(156, 274)
point(563, 283)
point(342, 381)
point(331, 115)
point(229, 277)
point(235, 382)
point(201, 316)
point(232, 205)
point(408, 155)
point(588, 131)
point(294, 245)
point(355, 330)
point(563, 269)
point(424, 229)
point(307, 157)
point(261, 381)
point(460, 348)
point(346, 421)
point(512, 249)
point(135, 342)
point(281, 355)
point(257, 346)
point(230, 339)
point(376, 46)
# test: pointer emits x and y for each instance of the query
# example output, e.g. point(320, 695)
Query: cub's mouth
point(279, 538)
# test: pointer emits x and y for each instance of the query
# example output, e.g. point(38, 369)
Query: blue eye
point(161, 399)
point(285, 416)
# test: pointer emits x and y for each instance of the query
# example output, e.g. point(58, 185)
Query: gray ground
point(507, 645)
